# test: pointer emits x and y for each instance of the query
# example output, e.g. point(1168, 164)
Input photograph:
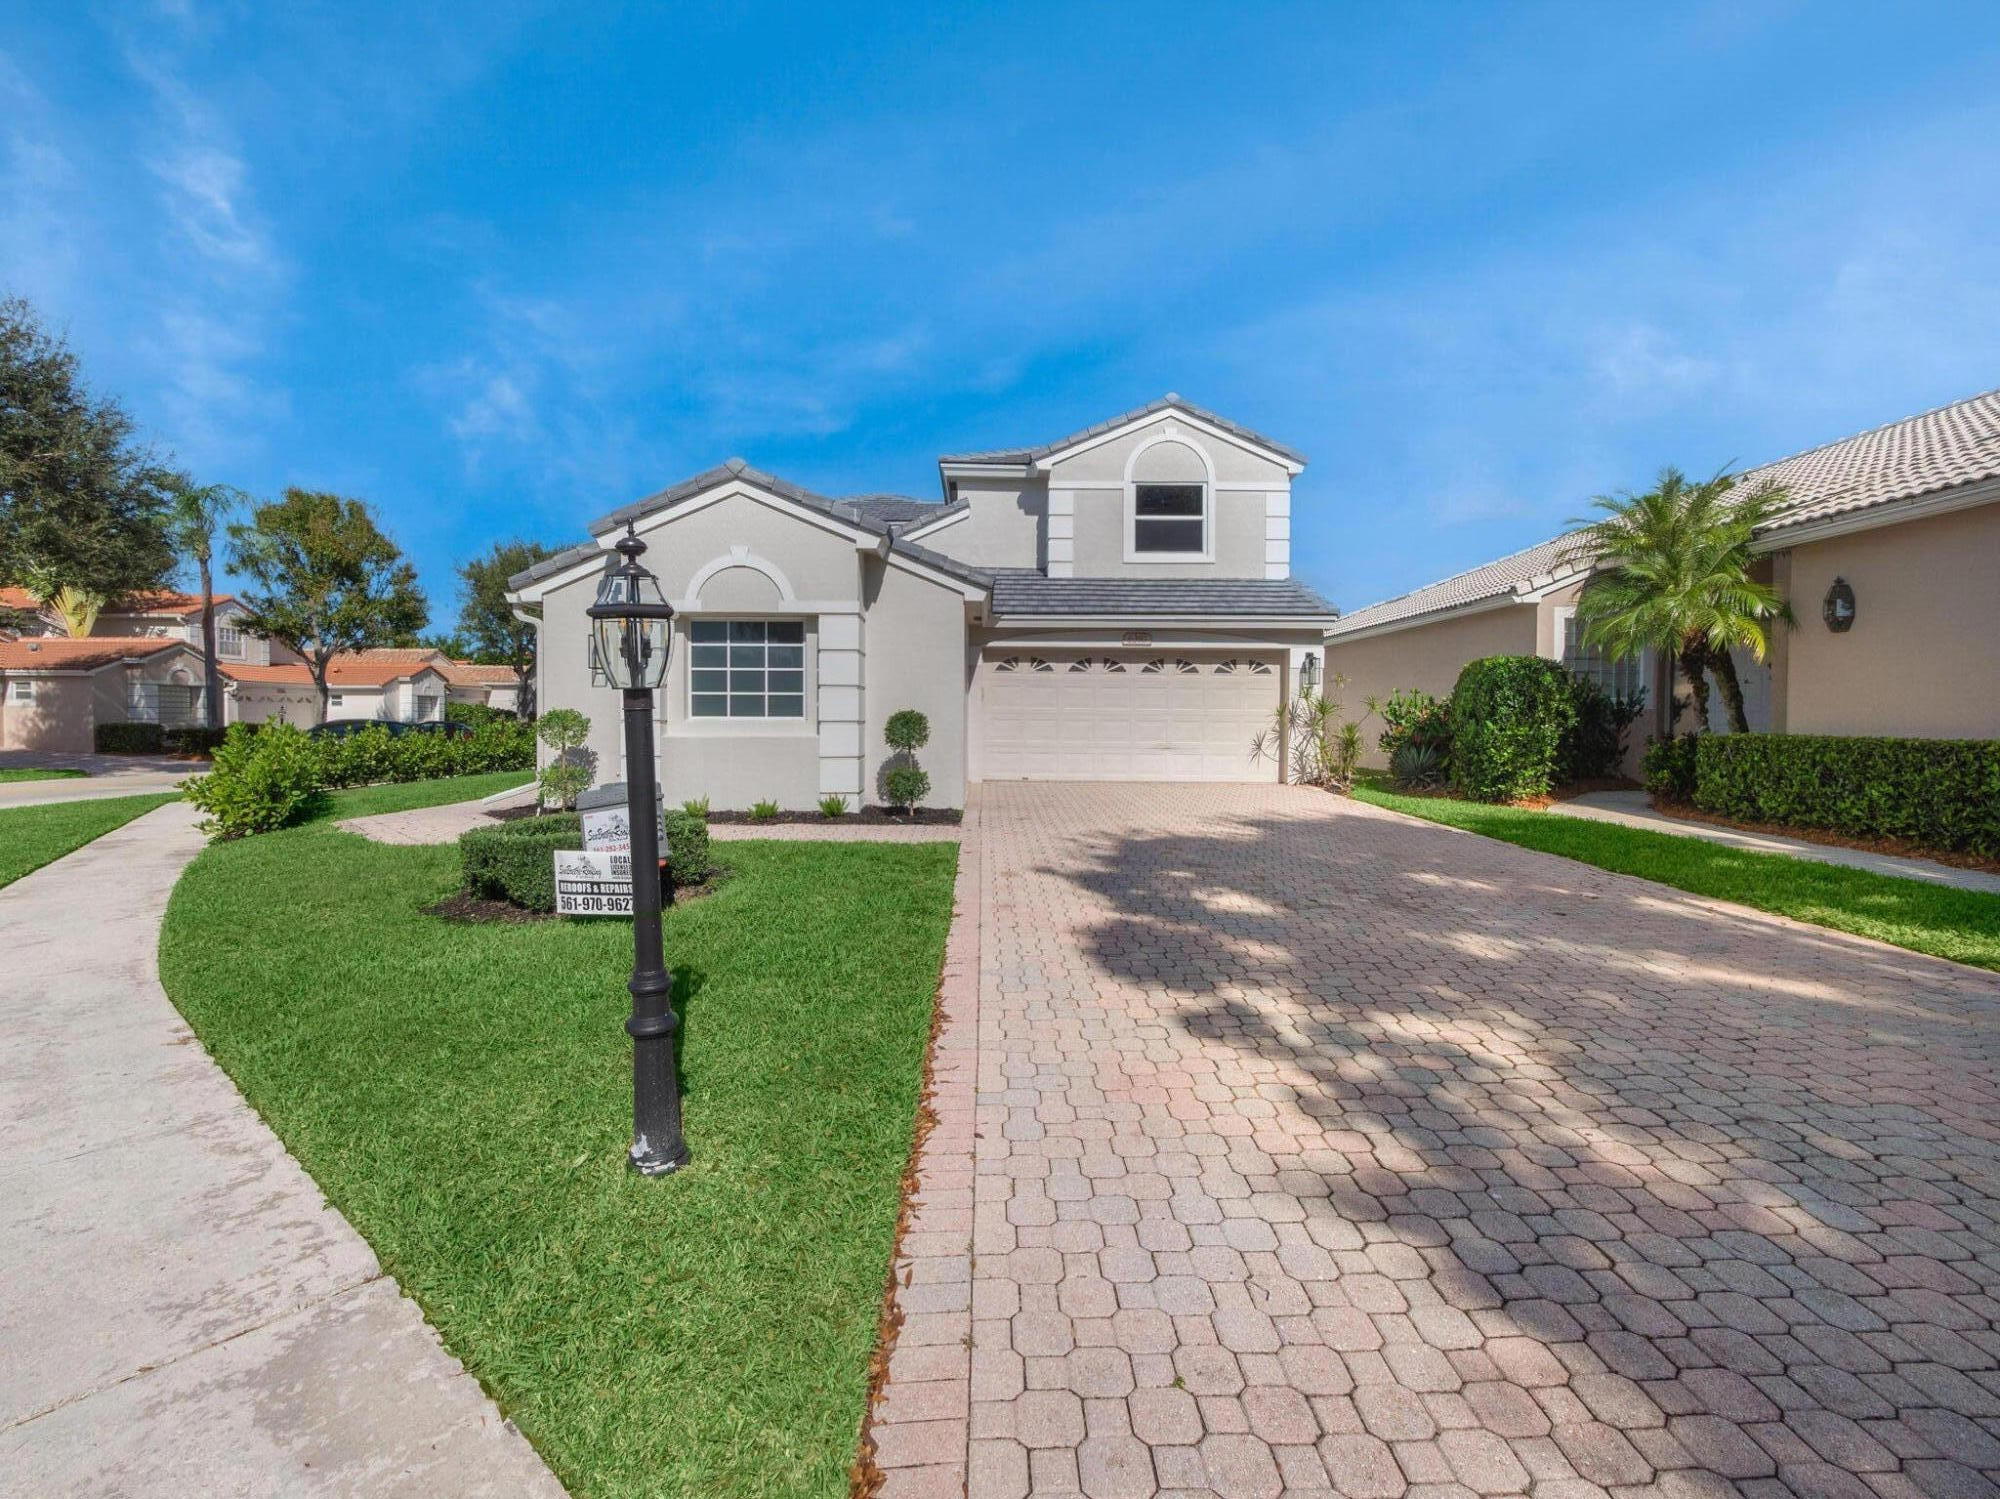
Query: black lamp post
point(632, 623)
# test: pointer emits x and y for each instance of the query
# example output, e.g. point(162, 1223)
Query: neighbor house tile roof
point(165, 601)
point(60, 653)
point(1895, 464)
point(472, 674)
point(361, 669)
point(1023, 591)
point(1168, 402)
point(16, 598)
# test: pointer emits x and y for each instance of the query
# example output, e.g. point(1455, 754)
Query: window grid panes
point(1167, 518)
point(747, 668)
point(228, 641)
point(1620, 676)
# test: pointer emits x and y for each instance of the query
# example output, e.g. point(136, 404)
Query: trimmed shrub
point(1669, 768)
point(1595, 742)
point(1508, 717)
point(474, 714)
point(1411, 716)
point(197, 739)
point(514, 861)
point(128, 739)
point(1940, 793)
point(260, 782)
point(906, 785)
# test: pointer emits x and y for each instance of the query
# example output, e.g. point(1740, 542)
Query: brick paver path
point(1324, 1151)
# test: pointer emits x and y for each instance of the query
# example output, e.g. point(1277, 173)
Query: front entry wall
point(1162, 714)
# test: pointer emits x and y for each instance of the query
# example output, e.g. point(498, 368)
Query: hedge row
point(155, 739)
point(514, 861)
point(276, 775)
point(1941, 793)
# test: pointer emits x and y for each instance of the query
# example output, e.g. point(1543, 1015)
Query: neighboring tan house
point(55, 691)
point(1114, 605)
point(393, 684)
point(1888, 550)
point(495, 687)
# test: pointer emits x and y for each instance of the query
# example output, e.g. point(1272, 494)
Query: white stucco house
point(1114, 605)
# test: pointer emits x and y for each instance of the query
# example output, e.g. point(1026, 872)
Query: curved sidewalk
point(182, 1312)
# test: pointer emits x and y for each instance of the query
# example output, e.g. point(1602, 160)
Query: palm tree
point(1672, 572)
point(195, 513)
point(63, 606)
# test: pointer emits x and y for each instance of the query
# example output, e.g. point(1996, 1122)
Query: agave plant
point(1417, 765)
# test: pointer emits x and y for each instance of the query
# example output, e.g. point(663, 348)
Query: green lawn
point(463, 1095)
point(33, 836)
point(38, 773)
point(1963, 925)
point(407, 796)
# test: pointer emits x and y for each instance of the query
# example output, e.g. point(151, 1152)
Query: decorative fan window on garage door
point(1232, 666)
point(747, 668)
point(1096, 663)
point(1024, 663)
point(1179, 668)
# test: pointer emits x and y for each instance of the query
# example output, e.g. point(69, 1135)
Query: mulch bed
point(867, 817)
point(1901, 848)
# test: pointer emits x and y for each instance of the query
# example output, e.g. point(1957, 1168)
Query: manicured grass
point(407, 796)
point(33, 836)
point(1963, 925)
point(463, 1094)
point(38, 773)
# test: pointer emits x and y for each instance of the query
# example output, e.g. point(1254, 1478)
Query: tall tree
point(195, 513)
point(486, 620)
point(1673, 573)
point(324, 579)
point(79, 498)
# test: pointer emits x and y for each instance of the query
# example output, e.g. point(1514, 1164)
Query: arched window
point(1168, 501)
point(1012, 663)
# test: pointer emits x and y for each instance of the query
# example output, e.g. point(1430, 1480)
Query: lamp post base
point(650, 1160)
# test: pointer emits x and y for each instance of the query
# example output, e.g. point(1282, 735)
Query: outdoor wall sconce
point(1838, 610)
point(1308, 673)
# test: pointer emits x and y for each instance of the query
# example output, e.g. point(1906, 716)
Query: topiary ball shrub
point(1508, 717)
point(906, 785)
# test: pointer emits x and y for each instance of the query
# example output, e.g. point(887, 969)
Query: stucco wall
point(1921, 659)
point(1426, 657)
point(1249, 499)
point(916, 658)
point(60, 720)
point(1003, 527)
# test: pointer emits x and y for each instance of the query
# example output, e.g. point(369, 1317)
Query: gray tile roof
point(549, 566)
point(1894, 464)
point(1026, 592)
point(1170, 401)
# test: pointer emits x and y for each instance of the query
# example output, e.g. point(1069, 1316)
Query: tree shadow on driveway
point(1714, 1189)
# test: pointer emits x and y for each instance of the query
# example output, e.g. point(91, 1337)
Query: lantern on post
point(631, 625)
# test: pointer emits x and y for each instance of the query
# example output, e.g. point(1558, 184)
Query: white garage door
point(1127, 717)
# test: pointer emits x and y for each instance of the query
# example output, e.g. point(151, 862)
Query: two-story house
point(1114, 605)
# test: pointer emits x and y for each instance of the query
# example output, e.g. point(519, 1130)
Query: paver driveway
point(1321, 1150)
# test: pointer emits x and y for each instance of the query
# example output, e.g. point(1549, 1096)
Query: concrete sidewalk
point(104, 776)
point(1633, 809)
point(181, 1311)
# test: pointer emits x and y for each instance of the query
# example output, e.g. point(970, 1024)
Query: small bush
point(1668, 768)
point(907, 730)
point(1508, 716)
point(567, 775)
point(695, 806)
point(476, 714)
point(1418, 765)
point(195, 739)
point(833, 806)
point(128, 739)
point(906, 785)
point(259, 783)
point(1939, 793)
point(763, 811)
point(1410, 716)
point(515, 861)
point(1595, 742)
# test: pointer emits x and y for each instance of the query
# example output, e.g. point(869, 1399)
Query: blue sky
point(501, 270)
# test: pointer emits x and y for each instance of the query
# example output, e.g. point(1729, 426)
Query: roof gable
point(1291, 457)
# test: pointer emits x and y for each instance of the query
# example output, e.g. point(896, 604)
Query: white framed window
point(228, 640)
point(747, 668)
point(1169, 502)
point(427, 707)
point(333, 700)
point(21, 690)
point(1621, 676)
